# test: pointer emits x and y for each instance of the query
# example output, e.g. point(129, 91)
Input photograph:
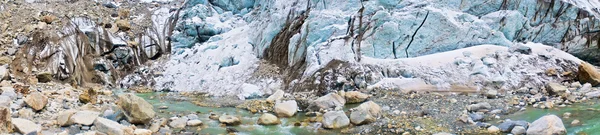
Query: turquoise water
point(587, 113)
point(248, 119)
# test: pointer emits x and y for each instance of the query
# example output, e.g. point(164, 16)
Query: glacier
point(220, 43)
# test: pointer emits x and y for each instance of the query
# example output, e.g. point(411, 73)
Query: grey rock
point(229, 120)
point(10, 92)
point(335, 119)
point(555, 88)
point(547, 125)
point(136, 109)
point(5, 101)
point(478, 106)
point(365, 113)
point(84, 117)
point(268, 119)
point(518, 130)
point(476, 117)
point(507, 126)
point(328, 101)
point(286, 108)
point(278, 95)
point(179, 123)
point(192, 116)
point(594, 94)
point(109, 127)
point(24, 126)
point(64, 117)
point(194, 122)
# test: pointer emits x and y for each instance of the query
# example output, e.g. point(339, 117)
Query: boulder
point(194, 122)
point(249, 91)
point(155, 126)
point(36, 100)
point(328, 101)
point(594, 94)
point(479, 106)
point(286, 108)
point(547, 125)
point(355, 97)
point(26, 113)
point(229, 120)
point(335, 119)
point(179, 123)
point(365, 113)
point(84, 117)
point(64, 117)
point(493, 130)
point(109, 127)
point(278, 95)
point(136, 109)
point(588, 74)
point(142, 132)
point(123, 25)
point(5, 120)
point(10, 92)
point(518, 130)
point(5, 101)
point(555, 88)
point(491, 94)
point(25, 126)
point(508, 126)
point(268, 119)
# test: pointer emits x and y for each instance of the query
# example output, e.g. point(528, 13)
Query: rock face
point(555, 88)
point(25, 126)
point(109, 127)
point(286, 108)
point(365, 113)
point(268, 119)
point(5, 120)
point(547, 125)
point(588, 74)
point(136, 109)
point(84, 117)
point(179, 123)
point(229, 120)
point(335, 119)
point(355, 97)
point(328, 101)
point(36, 100)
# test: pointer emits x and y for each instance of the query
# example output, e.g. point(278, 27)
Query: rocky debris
point(355, 97)
point(365, 113)
point(194, 122)
point(64, 117)
point(508, 126)
point(36, 100)
point(442, 133)
point(136, 109)
point(588, 74)
point(142, 132)
point(179, 123)
point(328, 101)
point(84, 117)
point(278, 95)
point(25, 113)
point(268, 119)
point(286, 108)
point(547, 125)
point(5, 120)
point(476, 116)
point(479, 106)
point(24, 126)
point(518, 130)
point(335, 119)
point(111, 127)
point(229, 120)
point(213, 116)
point(48, 19)
point(556, 88)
